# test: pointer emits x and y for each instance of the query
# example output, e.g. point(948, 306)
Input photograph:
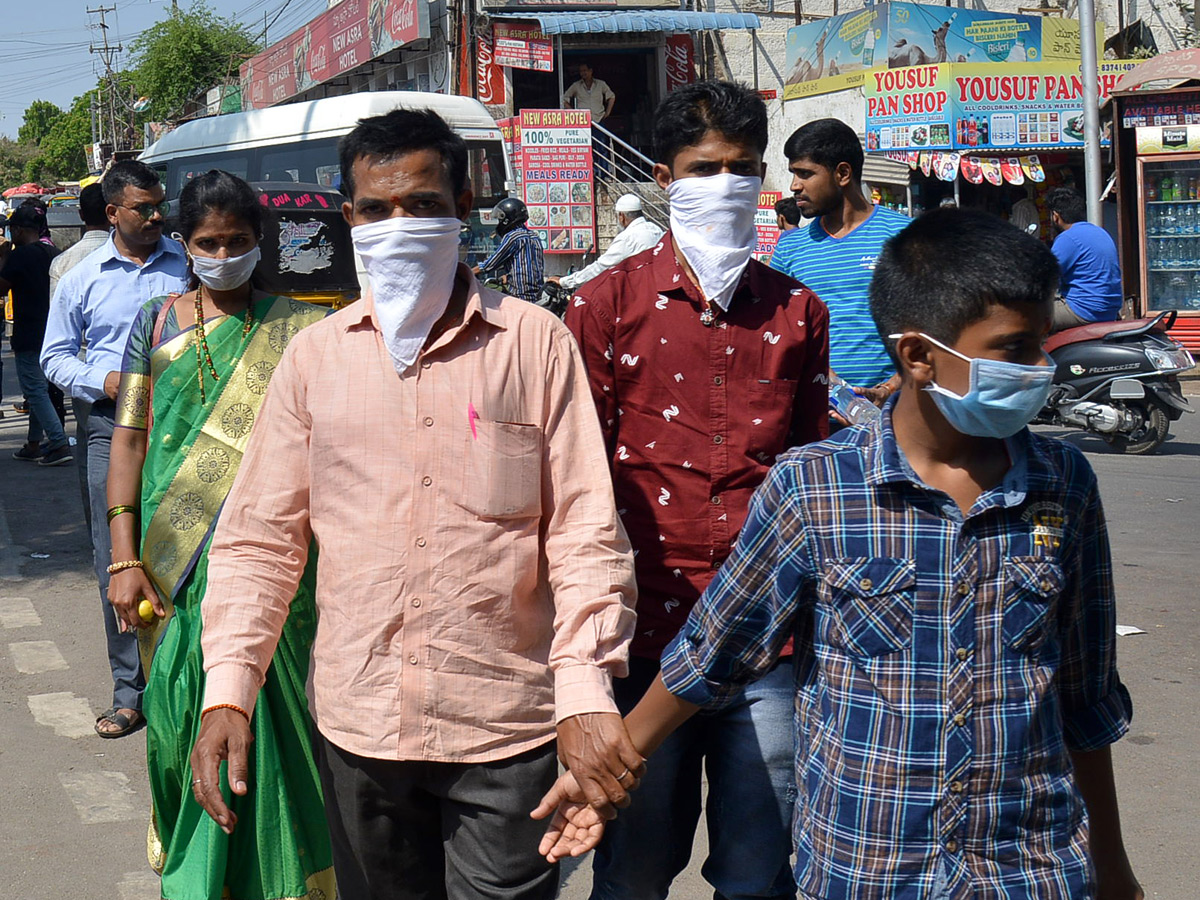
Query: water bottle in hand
point(854, 408)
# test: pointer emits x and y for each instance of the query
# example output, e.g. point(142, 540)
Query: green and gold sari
point(280, 848)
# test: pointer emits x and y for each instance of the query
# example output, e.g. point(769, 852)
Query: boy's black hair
point(403, 131)
point(124, 174)
point(789, 209)
point(827, 142)
point(91, 207)
point(732, 110)
point(943, 271)
point(1068, 203)
point(217, 191)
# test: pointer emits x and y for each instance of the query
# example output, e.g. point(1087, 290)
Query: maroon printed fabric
point(693, 414)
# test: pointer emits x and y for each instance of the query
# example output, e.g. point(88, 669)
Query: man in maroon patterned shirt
point(704, 365)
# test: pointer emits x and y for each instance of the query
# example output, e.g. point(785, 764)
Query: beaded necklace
point(202, 354)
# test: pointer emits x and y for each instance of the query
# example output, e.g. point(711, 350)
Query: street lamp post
point(1091, 109)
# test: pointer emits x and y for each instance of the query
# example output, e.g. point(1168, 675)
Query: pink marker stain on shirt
point(471, 417)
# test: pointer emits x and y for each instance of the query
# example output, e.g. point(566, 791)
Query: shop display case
point(1169, 212)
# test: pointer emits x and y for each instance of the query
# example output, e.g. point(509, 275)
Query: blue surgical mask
point(1002, 399)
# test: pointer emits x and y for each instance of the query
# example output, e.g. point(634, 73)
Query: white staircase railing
point(623, 169)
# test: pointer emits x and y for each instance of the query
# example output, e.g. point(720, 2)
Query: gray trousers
point(1065, 317)
point(437, 831)
point(93, 441)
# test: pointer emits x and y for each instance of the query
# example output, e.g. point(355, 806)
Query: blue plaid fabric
point(519, 256)
point(945, 665)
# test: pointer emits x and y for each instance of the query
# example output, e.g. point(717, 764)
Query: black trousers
point(437, 831)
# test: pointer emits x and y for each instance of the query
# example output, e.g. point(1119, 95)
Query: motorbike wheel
point(1149, 435)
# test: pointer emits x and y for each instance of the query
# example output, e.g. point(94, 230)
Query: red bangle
point(232, 706)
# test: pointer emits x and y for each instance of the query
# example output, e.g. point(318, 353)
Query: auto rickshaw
point(306, 249)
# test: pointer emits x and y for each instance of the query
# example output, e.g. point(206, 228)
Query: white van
point(297, 142)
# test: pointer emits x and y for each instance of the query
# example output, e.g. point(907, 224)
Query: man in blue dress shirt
point(95, 304)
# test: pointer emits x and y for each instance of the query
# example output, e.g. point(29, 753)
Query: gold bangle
point(125, 564)
point(114, 511)
point(232, 706)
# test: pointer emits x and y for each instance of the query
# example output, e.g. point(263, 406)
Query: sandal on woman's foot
point(125, 724)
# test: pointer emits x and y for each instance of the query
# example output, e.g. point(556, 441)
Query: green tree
point(60, 155)
point(14, 157)
point(185, 53)
point(39, 119)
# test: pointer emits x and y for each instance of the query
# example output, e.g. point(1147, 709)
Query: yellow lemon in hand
point(146, 611)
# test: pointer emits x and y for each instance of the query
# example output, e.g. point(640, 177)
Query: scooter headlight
point(1174, 360)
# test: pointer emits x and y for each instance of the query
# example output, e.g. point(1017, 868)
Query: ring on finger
point(197, 781)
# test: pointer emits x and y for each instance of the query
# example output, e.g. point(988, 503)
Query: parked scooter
point(1118, 380)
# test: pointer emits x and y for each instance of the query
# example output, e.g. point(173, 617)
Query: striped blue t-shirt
point(838, 270)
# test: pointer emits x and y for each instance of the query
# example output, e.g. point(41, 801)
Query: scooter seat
point(1091, 332)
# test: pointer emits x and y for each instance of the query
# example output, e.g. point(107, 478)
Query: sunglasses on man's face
point(147, 210)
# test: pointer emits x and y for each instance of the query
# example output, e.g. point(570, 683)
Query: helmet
point(510, 212)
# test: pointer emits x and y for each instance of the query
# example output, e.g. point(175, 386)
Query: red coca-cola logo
point(679, 61)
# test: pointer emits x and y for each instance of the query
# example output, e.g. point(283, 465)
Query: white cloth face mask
point(411, 262)
point(712, 221)
point(228, 273)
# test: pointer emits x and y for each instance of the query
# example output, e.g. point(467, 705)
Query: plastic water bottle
point(1153, 223)
point(855, 409)
point(1187, 220)
point(1170, 221)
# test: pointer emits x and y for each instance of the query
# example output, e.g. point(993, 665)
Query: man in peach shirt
point(475, 587)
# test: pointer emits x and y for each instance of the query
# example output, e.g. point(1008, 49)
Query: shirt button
point(426, 365)
point(962, 652)
point(429, 421)
point(866, 584)
point(427, 481)
point(416, 602)
point(717, 439)
point(956, 787)
point(718, 380)
point(413, 659)
point(963, 589)
point(1044, 584)
point(960, 720)
point(952, 845)
point(420, 542)
point(716, 501)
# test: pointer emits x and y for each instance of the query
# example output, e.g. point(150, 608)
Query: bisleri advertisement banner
point(981, 107)
point(840, 52)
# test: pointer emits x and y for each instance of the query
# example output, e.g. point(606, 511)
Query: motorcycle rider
point(1090, 284)
point(517, 261)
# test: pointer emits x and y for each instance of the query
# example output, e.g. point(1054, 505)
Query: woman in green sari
point(195, 372)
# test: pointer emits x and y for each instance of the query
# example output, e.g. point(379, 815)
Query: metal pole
point(562, 84)
point(1091, 110)
point(754, 53)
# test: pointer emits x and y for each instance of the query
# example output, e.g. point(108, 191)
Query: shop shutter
point(879, 169)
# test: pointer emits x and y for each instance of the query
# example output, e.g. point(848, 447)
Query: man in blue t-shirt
point(835, 254)
point(1090, 283)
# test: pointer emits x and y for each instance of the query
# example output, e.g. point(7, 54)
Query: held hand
point(126, 591)
point(224, 735)
point(112, 381)
point(575, 828)
point(597, 750)
point(554, 278)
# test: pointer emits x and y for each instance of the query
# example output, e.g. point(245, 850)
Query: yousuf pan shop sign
point(964, 106)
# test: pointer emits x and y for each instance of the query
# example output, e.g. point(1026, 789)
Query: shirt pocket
point(1031, 584)
point(501, 476)
point(769, 411)
point(871, 599)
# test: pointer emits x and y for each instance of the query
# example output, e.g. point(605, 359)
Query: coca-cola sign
point(680, 61)
point(489, 77)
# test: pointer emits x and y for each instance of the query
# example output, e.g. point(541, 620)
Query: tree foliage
point(14, 157)
point(60, 155)
point(185, 53)
point(39, 120)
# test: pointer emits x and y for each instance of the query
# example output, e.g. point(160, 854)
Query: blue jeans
point(96, 429)
point(43, 420)
point(746, 751)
